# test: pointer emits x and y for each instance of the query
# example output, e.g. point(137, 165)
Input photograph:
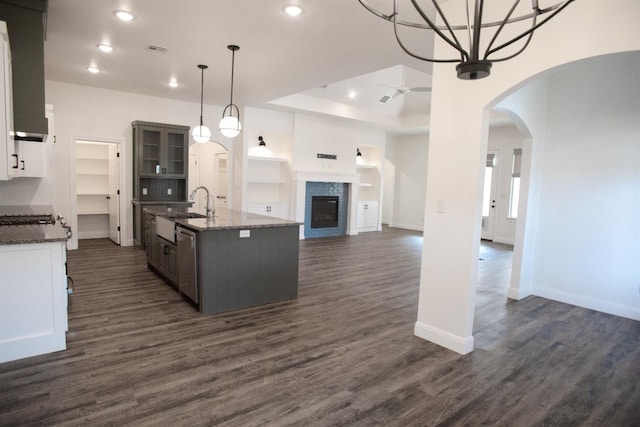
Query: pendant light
point(201, 134)
point(230, 125)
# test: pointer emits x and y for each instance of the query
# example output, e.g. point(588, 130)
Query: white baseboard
point(407, 227)
point(630, 312)
point(444, 339)
point(518, 293)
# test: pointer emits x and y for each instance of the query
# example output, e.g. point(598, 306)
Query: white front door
point(489, 196)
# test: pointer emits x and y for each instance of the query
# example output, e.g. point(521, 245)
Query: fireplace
point(324, 211)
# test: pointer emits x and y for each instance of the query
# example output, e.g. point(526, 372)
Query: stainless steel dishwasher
point(187, 263)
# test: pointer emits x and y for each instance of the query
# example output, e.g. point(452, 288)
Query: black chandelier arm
point(461, 27)
point(477, 26)
point(504, 22)
point(530, 31)
point(435, 28)
point(524, 46)
point(422, 58)
point(463, 53)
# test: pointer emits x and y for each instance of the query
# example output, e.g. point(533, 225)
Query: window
point(515, 183)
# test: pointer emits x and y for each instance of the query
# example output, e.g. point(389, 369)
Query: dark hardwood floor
point(343, 353)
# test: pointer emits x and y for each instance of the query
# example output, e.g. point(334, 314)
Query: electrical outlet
point(440, 206)
point(245, 233)
point(168, 191)
point(144, 191)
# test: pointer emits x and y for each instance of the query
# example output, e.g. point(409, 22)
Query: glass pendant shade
point(230, 126)
point(201, 134)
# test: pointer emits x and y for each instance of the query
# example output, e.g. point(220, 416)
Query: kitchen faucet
point(210, 211)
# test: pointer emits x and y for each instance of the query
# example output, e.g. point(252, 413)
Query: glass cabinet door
point(151, 149)
point(176, 152)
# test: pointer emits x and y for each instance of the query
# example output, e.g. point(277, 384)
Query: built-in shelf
point(369, 191)
point(268, 186)
point(92, 189)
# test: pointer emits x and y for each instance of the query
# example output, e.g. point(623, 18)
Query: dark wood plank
point(343, 353)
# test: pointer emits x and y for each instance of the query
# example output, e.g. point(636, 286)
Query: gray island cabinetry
point(234, 260)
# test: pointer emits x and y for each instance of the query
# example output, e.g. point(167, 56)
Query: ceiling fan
point(401, 91)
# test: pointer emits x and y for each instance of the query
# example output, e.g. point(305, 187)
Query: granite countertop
point(232, 219)
point(223, 219)
point(23, 234)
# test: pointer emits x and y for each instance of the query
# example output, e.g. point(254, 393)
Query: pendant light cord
point(201, 93)
point(233, 60)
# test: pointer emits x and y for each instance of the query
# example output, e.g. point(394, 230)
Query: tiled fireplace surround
point(323, 184)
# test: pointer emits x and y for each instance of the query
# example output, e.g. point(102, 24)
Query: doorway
point(489, 196)
point(208, 167)
point(97, 172)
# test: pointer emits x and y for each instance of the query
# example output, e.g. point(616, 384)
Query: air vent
point(157, 49)
point(384, 99)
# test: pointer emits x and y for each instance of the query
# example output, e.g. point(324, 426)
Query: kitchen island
point(231, 261)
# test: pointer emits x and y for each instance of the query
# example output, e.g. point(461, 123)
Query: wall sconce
point(358, 153)
point(262, 143)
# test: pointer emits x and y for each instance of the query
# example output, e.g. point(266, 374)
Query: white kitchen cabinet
point(8, 152)
point(31, 159)
point(368, 215)
point(276, 210)
point(33, 307)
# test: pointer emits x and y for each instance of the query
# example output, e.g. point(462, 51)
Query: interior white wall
point(83, 112)
point(457, 148)
point(410, 181)
point(587, 249)
point(313, 135)
point(389, 180)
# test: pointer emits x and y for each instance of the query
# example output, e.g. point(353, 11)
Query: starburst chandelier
point(472, 63)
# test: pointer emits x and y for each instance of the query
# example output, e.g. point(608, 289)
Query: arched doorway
point(208, 167)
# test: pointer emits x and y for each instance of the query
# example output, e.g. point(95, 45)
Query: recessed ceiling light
point(352, 95)
point(93, 70)
point(105, 48)
point(123, 15)
point(173, 83)
point(293, 10)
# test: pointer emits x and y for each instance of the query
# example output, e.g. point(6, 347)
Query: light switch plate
point(245, 233)
point(168, 191)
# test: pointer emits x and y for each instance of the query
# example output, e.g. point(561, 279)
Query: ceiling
point(306, 63)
